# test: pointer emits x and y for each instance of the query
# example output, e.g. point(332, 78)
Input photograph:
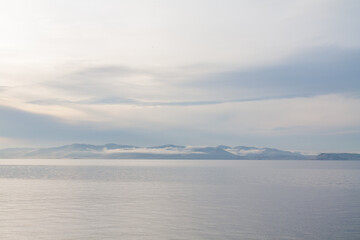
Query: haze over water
point(161, 199)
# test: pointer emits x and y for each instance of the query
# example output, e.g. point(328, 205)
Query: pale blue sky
point(276, 73)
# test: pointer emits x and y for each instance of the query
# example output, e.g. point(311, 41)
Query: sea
point(75, 199)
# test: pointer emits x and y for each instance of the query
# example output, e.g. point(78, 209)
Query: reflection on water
point(133, 199)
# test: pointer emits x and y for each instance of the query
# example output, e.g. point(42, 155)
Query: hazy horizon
point(168, 148)
point(279, 74)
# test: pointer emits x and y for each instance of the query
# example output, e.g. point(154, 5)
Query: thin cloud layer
point(200, 72)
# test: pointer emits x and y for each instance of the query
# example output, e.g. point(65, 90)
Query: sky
point(283, 74)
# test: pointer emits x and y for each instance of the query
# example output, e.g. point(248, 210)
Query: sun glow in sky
point(279, 73)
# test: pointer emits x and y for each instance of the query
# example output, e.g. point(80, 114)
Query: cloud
point(153, 150)
point(304, 94)
point(243, 152)
point(121, 101)
point(177, 71)
point(10, 142)
point(267, 116)
point(304, 121)
point(38, 129)
point(173, 33)
point(317, 72)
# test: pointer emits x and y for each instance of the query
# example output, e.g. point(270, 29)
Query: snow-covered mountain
point(115, 151)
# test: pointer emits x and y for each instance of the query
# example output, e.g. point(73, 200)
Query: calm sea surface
point(172, 199)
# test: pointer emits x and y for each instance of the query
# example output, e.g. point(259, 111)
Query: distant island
point(115, 151)
point(338, 156)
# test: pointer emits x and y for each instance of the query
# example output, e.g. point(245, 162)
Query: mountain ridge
point(168, 151)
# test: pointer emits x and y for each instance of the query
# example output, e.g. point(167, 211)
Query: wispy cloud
point(237, 70)
point(153, 151)
point(320, 71)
